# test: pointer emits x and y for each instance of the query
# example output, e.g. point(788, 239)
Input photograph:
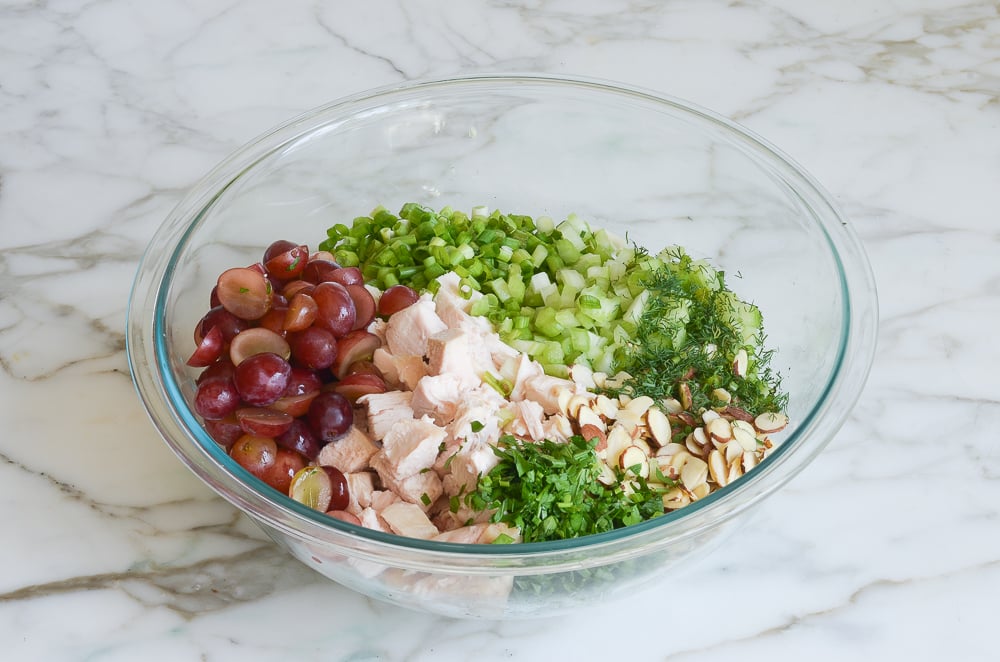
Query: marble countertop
point(887, 547)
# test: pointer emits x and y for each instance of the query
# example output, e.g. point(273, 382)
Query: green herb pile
point(550, 491)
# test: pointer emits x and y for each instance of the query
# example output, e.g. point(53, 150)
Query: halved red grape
point(301, 313)
point(213, 298)
point(255, 454)
point(224, 431)
point(299, 437)
point(245, 292)
point(302, 381)
point(323, 255)
point(293, 287)
point(346, 276)
point(358, 345)
point(319, 271)
point(258, 340)
point(262, 378)
point(221, 368)
point(330, 416)
point(274, 319)
point(364, 367)
point(294, 405)
point(314, 348)
point(364, 305)
point(354, 386)
point(280, 473)
point(396, 298)
point(208, 350)
point(216, 398)
point(284, 260)
point(220, 318)
point(320, 487)
point(335, 308)
point(263, 421)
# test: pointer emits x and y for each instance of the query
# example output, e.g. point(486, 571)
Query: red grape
point(335, 308)
point(302, 381)
point(294, 405)
point(299, 437)
point(245, 292)
point(216, 398)
point(340, 496)
point(225, 431)
point(319, 270)
point(301, 313)
point(358, 345)
point(354, 386)
point(346, 276)
point(313, 348)
point(396, 298)
point(220, 318)
point(263, 422)
point(293, 287)
point(208, 350)
point(344, 516)
point(284, 260)
point(258, 340)
point(330, 416)
point(280, 473)
point(364, 305)
point(221, 368)
point(255, 454)
point(262, 378)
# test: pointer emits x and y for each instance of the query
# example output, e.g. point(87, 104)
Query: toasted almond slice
point(737, 413)
point(634, 461)
point(587, 416)
point(679, 459)
point(718, 468)
point(576, 402)
point(749, 461)
point(659, 426)
point(684, 395)
point(770, 422)
point(694, 473)
point(722, 395)
point(735, 470)
point(732, 450)
point(600, 378)
point(672, 405)
point(701, 491)
point(719, 429)
point(638, 406)
point(607, 476)
point(618, 439)
point(562, 425)
point(606, 407)
point(675, 498)
point(589, 432)
point(709, 415)
point(671, 449)
point(746, 440)
point(628, 420)
point(740, 363)
point(563, 400)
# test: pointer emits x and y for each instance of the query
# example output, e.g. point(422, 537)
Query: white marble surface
point(887, 547)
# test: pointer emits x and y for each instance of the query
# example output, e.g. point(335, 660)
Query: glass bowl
point(656, 169)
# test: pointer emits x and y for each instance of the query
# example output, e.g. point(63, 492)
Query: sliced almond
point(672, 405)
point(576, 402)
point(589, 432)
point(718, 468)
point(692, 445)
point(587, 416)
point(747, 440)
point(740, 363)
point(634, 461)
point(638, 406)
point(682, 418)
point(770, 422)
point(583, 376)
point(737, 413)
point(628, 420)
point(659, 427)
point(562, 425)
point(722, 395)
point(684, 395)
point(606, 407)
point(669, 450)
point(607, 476)
point(675, 498)
point(701, 491)
point(563, 399)
point(600, 379)
point(732, 450)
point(694, 473)
point(735, 470)
point(719, 430)
point(709, 415)
point(749, 461)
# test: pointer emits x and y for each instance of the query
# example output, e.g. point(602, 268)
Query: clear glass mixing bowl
point(656, 169)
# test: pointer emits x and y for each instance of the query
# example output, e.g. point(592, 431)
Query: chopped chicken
point(384, 409)
point(458, 353)
point(438, 396)
point(404, 371)
point(350, 453)
point(545, 389)
point(406, 519)
point(421, 488)
point(483, 533)
point(526, 369)
point(408, 330)
point(412, 445)
point(528, 420)
point(360, 487)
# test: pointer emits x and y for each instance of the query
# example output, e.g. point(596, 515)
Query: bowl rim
point(165, 405)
